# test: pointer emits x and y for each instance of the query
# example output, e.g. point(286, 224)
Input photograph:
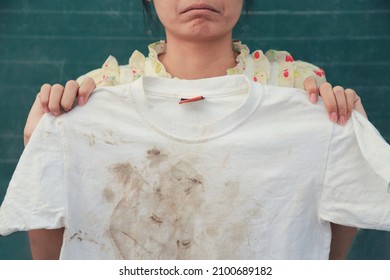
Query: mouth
point(199, 7)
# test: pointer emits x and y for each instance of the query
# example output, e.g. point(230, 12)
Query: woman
point(203, 22)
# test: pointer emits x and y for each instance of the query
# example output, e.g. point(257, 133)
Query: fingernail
point(313, 98)
point(81, 100)
point(333, 117)
point(342, 120)
point(46, 110)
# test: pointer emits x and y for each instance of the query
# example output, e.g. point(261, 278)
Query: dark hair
point(248, 6)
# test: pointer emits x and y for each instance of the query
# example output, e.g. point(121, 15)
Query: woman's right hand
point(57, 99)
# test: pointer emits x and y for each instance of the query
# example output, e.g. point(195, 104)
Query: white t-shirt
point(250, 172)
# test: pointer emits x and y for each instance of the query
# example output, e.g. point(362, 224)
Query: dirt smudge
point(108, 194)
point(155, 156)
point(122, 172)
point(82, 236)
point(157, 207)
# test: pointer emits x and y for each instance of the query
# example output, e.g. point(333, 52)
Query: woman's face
point(198, 19)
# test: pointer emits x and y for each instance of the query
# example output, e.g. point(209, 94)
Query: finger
point(55, 99)
point(326, 91)
point(69, 95)
point(85, 90)
point(341, 100)
point(350, 96)
point(311, 88)
point(44, 97)
point(357, 103)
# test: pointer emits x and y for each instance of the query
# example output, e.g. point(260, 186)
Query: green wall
point(55, 40)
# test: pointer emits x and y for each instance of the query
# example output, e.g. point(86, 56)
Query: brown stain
point(153, 153)
point(151, 213)
point(122, 172)
point(108, 194)
point(123, 222)
point(133, 238)
point(157, 214)
point(158, 192)
point(183, 244)
point(156, 219)
point(155, 156)
point(187, 176)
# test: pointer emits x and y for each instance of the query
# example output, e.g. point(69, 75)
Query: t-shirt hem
point(4, 227)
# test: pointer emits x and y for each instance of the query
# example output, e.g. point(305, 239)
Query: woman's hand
point(57, 99)
point(339, 102)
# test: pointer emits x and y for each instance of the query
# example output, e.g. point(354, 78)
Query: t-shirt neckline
point(217, 87)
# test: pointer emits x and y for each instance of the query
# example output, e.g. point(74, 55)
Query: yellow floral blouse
point(272, 68)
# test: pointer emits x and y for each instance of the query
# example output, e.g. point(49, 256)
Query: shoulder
point(105, 103)
point(284, 94)
point(292, 101)
point(280, 68)
point(291, 72)
point(112, 74)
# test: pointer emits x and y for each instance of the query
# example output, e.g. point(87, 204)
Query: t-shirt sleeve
point(356, 189)
point(35, 197)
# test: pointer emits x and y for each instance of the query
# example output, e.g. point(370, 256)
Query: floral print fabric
point(273, 68)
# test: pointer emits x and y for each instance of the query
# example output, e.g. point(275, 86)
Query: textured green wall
point(55, 40)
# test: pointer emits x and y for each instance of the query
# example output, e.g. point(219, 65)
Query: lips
point(199, 7)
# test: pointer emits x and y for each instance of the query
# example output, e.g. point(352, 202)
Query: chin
point(200, 29)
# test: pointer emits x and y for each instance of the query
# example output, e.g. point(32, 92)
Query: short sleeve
point(356, 186)
point(288, 72)
point(35, 197)
point(107, 75)
point(112, 74)
point(303, 70)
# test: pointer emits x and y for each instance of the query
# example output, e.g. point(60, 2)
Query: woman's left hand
point(339, 102)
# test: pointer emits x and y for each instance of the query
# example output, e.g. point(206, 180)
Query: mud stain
point(155, 156)
point(157, 207)
point(81, 236)
point(156, 219)
point(108, 194)
point(76, 235)
point(135, 240)
point(157, 191)
point(183, 244)
point(187, 176)
point(122, 172)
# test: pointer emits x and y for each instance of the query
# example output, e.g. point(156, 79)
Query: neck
point(196, 60)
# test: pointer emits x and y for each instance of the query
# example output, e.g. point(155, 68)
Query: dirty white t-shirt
point(250, 172)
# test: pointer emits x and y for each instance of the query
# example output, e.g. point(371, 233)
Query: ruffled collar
point(160, 47)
